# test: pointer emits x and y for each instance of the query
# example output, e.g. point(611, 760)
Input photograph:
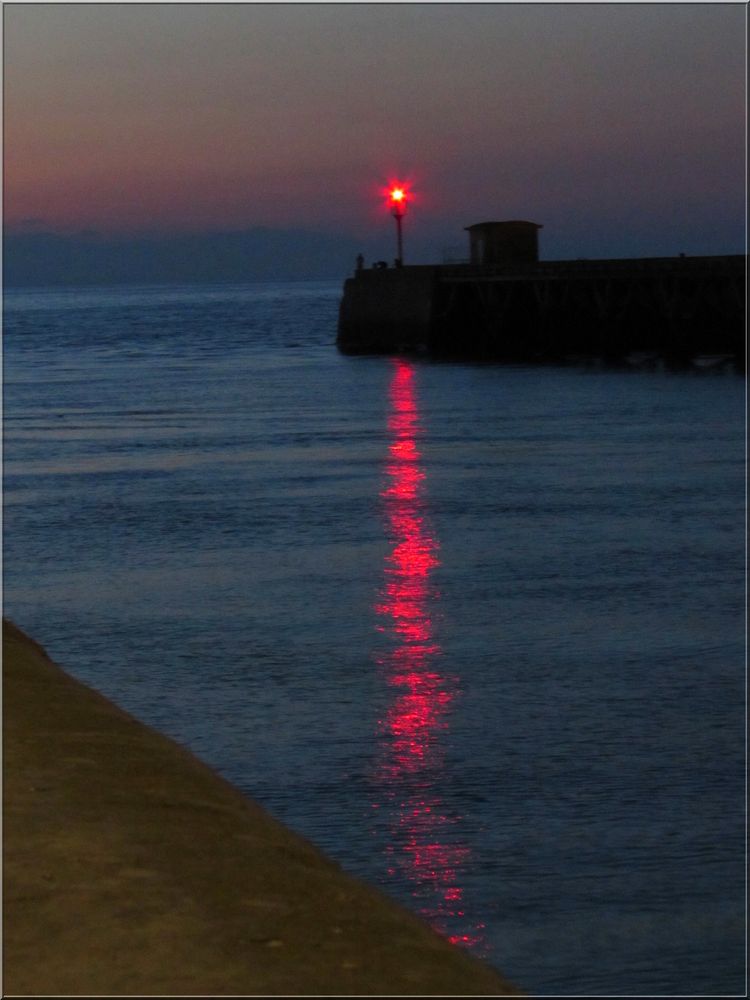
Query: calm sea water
point(477, 631)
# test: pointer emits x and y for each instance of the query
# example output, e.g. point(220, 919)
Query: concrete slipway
point(130, 868)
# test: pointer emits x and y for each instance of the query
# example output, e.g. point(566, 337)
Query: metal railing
point(727, 264)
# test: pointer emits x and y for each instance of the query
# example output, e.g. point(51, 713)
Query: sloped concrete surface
point(130, 868)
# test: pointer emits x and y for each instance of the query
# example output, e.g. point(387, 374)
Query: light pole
point(398, 211)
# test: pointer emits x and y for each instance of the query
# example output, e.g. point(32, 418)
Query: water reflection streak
point(425, 844)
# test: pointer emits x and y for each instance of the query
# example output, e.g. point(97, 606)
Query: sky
point(619, 127)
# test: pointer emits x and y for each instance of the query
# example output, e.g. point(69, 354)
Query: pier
point(506, 305)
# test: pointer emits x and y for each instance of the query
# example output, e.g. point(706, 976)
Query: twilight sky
point(619, 127)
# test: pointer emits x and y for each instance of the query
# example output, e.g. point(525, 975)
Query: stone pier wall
point(385, 311)
point(674, 308)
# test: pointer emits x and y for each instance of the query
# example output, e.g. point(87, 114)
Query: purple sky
point(619, 127)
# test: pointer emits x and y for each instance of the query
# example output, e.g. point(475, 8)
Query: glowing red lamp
point(398, 210)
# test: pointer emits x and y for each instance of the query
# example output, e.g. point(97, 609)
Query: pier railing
point(582, 267)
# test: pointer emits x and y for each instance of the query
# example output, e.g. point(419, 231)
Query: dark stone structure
point(500, 244)
point(513, 307)
point(388, 310)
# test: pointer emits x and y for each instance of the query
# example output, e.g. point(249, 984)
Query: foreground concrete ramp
point(133, 869)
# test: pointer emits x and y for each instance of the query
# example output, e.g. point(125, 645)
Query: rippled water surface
point(477, 631)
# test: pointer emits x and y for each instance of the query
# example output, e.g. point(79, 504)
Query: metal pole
point(400, 239)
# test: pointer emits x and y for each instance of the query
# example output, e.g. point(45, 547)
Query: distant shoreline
point(41, 259)
point(165, 285)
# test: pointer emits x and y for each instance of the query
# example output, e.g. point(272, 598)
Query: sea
point(475, 630)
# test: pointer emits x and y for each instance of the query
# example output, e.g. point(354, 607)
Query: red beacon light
point(398, 201)
point(398, 197)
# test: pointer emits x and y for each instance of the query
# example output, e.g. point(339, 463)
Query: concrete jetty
point(505, 304)
point(130, 868)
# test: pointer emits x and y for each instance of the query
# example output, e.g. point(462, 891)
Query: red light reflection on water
point(425, 846)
